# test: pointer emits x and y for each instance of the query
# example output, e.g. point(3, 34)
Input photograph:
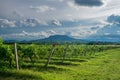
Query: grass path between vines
point(104, 66)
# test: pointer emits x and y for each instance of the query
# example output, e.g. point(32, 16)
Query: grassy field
point(102, 66)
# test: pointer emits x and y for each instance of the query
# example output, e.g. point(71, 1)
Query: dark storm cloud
point(89, 3)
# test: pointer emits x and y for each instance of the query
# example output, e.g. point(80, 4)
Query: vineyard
point(44, 61)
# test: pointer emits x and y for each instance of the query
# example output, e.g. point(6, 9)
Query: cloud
point(56, 0)
point(89, 3)
point(111, 30)
point(32, 22)
point(95, 28)
point(80, 33)
point(60, 0)
point(7, 23)
point(16, 14)
point(76, 31)
point(72, 5)
point(114, 19)
point(52, 32)
point(118, 32)
point(29, 22)
point(56, 22)
point(106, 33)
point(25, 35)
point(98, 24)
point(43, 8)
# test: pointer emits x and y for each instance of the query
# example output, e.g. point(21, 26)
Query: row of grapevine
point(6, 55)
point(34, 52)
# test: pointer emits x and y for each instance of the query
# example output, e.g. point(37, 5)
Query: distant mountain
point(17, 41)
point(63, 39)
point(10, 41)
point(59, 38)
point(55, 38)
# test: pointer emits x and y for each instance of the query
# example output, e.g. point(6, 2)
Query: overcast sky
point(83, 19)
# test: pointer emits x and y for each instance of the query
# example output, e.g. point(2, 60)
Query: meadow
point(66, 62)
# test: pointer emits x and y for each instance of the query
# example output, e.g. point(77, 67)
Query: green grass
point(103, 66)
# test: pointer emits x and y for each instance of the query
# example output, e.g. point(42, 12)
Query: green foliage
point(105, 66)
point(6, 54)
point(1, 41)
point(30, 52)
point(35, 52)
point(43, 51)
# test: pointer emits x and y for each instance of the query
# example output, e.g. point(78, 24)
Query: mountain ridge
point(62, 39)
point(58, 38)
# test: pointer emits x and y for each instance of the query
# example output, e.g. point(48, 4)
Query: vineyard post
point(73, 47)
point(16, 56)
point(64, 55)
point(50, 55)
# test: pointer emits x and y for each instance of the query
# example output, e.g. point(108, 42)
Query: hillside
point(59, 38)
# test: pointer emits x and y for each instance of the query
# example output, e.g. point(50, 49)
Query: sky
point(81, 19)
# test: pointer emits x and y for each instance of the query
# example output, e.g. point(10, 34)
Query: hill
point(59, 39)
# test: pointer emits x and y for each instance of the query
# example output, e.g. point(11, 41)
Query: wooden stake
point(16, 56)
point(50, 55)
point(73, 47)
point(64, 55)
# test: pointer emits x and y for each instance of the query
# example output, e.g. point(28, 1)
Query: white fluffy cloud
point(42, 8)
point(7, 23)
point(29, 35)
point(56, 0)
point(37, 22)
point(56, 22)
point(106, 33)
point(77, 32)
point(32, 22)
point(72, 5)
point(82, 32)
